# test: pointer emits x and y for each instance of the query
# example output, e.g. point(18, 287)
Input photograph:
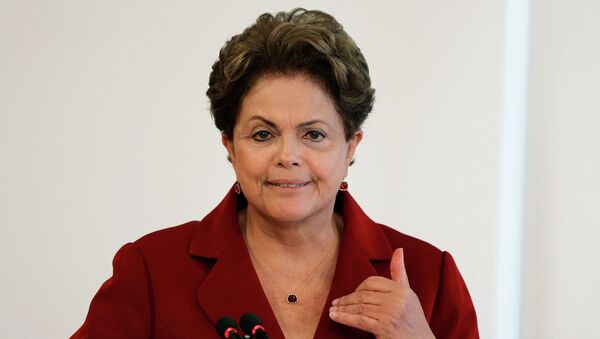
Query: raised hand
point(387, 308)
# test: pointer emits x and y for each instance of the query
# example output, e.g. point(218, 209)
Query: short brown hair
point(297, 42)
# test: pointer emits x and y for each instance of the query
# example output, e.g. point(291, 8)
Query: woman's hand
point(386, 308)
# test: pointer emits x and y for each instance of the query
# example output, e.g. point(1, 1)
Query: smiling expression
point(289, 149)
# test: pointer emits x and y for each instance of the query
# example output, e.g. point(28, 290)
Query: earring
point(344, 186)
point(237, 188)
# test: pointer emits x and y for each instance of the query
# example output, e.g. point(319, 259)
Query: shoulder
point(179, 234)
point(170, 243)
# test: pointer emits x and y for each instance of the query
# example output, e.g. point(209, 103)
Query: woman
point(288, 242)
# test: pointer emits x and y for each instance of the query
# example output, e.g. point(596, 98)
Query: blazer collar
point(232, 287)
point(215, 232)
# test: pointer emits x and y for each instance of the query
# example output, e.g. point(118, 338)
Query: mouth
point(288, 183)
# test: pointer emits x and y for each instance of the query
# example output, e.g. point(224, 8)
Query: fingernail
point(332, 314)
point(335, 302)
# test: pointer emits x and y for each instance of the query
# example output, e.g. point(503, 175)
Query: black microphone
point(252, 325)
point(227, 328)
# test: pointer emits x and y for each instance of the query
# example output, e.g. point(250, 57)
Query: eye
point(262, 135)
point(315, 135)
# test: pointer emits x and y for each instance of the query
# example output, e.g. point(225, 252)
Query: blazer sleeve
point(122, 308)
point(453, 313)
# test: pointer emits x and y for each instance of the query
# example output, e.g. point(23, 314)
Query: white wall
point(105, 136)
point(562, 273)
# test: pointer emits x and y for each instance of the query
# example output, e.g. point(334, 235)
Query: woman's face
point(289, 149)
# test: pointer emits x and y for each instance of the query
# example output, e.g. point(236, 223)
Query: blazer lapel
point(231, 288)
point(362, 241)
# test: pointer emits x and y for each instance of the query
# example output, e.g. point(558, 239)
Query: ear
point(352, 144)
point(229, 147)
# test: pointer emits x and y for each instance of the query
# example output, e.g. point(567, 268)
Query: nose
point(288, 153)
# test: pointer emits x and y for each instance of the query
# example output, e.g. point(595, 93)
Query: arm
point(122, 308)
point(453, 314)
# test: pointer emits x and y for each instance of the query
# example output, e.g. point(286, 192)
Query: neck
point(319, 232)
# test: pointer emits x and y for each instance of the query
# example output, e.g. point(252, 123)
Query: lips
point(288, 183)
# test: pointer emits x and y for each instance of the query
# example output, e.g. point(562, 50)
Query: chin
point(290, 213)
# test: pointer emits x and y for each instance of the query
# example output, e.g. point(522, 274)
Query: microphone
point(227, 328)
point(251, 324)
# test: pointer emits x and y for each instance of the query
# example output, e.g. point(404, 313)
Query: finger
point(371, 311)
point(361, 322)
point(397, 269)
point(377, 284)
point(360, 297)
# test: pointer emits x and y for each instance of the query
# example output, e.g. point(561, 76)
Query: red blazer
point(177, 282)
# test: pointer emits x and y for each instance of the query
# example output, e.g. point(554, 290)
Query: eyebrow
point(300, 125)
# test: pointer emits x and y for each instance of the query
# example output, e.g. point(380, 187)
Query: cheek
point(331, 168)
point(251, 163)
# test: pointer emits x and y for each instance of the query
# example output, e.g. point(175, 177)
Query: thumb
point(397, 269)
